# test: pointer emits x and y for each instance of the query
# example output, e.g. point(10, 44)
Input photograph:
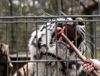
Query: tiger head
point(73, 28)
point(48, 34)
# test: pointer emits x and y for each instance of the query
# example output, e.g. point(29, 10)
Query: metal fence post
point(13, 41)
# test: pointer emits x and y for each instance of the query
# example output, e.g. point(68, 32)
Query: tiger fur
point(5, 68)
point(43, 47)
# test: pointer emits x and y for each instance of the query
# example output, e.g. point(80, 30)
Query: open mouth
point(69, 31)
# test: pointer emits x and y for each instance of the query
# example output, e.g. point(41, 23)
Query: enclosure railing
point(16, 31)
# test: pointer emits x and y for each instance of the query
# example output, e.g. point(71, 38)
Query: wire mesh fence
point(49, 58)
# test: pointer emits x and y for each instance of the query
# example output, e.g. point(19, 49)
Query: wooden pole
point(83, 58)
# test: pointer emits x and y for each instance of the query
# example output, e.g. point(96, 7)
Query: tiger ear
point(4, 48)
point(80, 21)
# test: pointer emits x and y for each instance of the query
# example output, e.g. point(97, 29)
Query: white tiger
point(43, 47)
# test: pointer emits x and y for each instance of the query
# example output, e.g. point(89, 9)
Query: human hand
point(93, 66)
